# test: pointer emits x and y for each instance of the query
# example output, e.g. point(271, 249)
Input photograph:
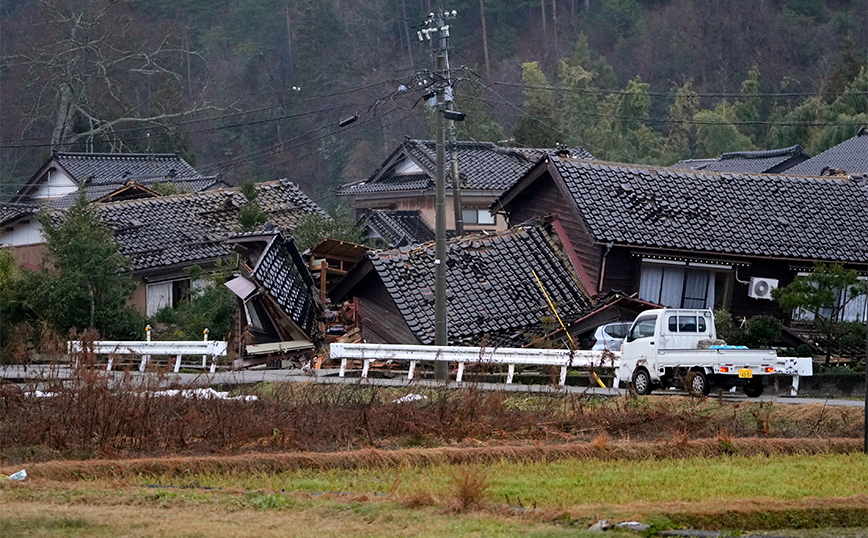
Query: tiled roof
point(188, 228)
point(768, 215)
point(99, 168)
point(849, 157)
point(492, 294)
point(758, 162)
point(103, 173)
point(11, 211)
point(399, 228)
point(481, 166)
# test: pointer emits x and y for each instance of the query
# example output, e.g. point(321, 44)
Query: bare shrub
point(468, 488)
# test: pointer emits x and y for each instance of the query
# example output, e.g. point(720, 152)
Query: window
point(682, 286)
point(477, 216)
point(687, 324)
point(162, 294)
point(617, 330)
point(644, 327)
point(855, 309)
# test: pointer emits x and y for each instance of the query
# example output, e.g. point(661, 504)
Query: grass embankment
point(498, 498)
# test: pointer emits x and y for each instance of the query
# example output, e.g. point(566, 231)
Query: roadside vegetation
point(95, 415)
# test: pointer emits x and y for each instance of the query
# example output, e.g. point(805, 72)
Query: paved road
point(39, 374)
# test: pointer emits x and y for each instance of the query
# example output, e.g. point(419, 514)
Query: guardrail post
point(178, 363)
point(563, 380)
point(343, 371)
point(365, 367)
point(510, 374)
point(412, 370)
point(145, 358)
point(795, 390)
point(205, 357)
point(213, 363)
point(460, 373)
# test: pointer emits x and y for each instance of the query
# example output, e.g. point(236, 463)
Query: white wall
point(57, 185)
point(27, 232)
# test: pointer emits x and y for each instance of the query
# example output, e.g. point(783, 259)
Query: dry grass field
point(311, 460)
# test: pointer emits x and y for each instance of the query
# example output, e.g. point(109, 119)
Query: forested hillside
point(256, 89)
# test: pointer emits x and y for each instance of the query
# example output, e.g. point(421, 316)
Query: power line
point(8, 144)
point(603, 91)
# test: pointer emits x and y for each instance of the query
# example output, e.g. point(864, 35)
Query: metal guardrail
point(178, 349)
point(512, 357)
point(563, 358)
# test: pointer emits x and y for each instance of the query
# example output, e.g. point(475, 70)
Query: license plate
point(745, 373)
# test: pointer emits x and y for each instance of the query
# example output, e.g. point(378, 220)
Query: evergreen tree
point(88, 282)
point(541, 130)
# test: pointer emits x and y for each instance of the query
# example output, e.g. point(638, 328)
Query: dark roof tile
point(491, 287)
point(786, 216)
point(481, 166)
point(848, 157)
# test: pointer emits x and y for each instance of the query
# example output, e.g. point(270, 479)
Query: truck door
point(640, 343)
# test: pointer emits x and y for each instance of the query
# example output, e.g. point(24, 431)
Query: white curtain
point(650, 282)
point(673, 286)
point(855, 309)
point(158, 296)
point(695, 289)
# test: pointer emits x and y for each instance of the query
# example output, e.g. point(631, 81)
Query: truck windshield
point(643, 328)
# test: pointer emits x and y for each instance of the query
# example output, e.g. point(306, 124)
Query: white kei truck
point(662, 350)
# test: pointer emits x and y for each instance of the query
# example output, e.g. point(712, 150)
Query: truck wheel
point(754, 390)
point(642, 381)
point(697, 383)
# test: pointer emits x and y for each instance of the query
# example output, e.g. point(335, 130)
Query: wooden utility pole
point(456, 179)
point(441, 371)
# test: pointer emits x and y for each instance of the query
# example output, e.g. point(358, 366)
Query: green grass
point(572, 482)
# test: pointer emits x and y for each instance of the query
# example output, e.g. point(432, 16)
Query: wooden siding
point(622, 271)
point(543, 198)
point(744, 306)
point(378, 317)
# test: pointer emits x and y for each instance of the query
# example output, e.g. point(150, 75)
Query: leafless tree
point(81, 66)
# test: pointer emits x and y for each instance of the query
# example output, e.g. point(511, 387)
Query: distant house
point(493, 296)
point(103, 178)
point(405, 181)
point(110, 177)
point(165, 235)
point(396, 228)
point(694, 239)
point(848, 157)
point(772, 161)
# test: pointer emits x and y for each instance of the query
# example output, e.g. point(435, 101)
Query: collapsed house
point(502, 289)
point(278, 300)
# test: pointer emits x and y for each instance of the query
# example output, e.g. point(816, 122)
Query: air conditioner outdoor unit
point(761, 288)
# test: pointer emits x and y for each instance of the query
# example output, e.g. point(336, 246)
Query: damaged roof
point(188, 228)
point(492, 294)
point(280, 270)
point(759, 162)
point(848, 157)
point(481, 166)
point(813, 218)
point(399, 228)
